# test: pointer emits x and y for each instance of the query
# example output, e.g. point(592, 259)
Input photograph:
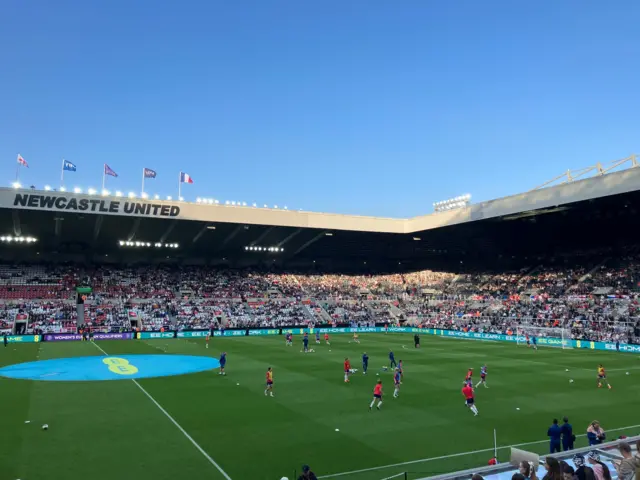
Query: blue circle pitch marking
point(113, 367)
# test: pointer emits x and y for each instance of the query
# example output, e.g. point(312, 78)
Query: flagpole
point(179, 185)
point(62, 173)
point(103, 177)
point(17, 169)
point(142, 192)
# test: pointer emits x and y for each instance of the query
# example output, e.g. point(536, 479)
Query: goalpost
point(563, 335)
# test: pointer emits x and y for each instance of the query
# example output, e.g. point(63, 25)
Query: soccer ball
point(45, 427)
point(571, 381)
point(284, 478)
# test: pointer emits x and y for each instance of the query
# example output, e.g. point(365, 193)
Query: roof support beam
point(17, 229)
point(289, 237)
point(58, 227)
point(168, 231)
point(308, 243)
point(231, 236)
point(200, 233)
point(134, 229)
point(97, 226)
point(261, 237)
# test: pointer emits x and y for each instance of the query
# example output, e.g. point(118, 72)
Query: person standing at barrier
point(5, 339)
point(567, 435)
point(595, 433)
point(416, 341)
point(554, 434)
point(628, 465)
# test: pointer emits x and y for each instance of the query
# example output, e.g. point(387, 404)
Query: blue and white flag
point(68, 166)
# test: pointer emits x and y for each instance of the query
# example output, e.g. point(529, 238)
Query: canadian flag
point(185, 178)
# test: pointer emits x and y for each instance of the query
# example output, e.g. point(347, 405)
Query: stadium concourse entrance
point(20, 323)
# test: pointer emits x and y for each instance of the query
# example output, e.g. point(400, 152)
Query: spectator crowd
point(597, 301)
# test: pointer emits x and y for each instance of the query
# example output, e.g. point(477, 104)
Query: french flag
point(185, 178)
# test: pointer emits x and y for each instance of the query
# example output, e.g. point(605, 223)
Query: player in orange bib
point(377, 395)
point(347, 370)
point(469, 400)
point(269, 389)
point(207, 340)
point(602, 377)
point(468, 379)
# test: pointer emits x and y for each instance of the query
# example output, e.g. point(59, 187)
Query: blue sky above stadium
point(368, 107)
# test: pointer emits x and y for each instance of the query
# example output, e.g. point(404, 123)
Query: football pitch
point(207, 426)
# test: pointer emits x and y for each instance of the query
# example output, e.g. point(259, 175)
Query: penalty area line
point(173, 420)
point(454, 455)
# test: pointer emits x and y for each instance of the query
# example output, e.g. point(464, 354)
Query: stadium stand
point(592, 303)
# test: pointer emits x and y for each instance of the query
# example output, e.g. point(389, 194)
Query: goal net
point(552, 337)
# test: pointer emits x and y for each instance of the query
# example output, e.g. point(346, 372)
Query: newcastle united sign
point(82, 203)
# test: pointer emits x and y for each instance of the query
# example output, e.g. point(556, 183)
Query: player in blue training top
point(288, 339)
point(483, 376)
point(392, 360)
point(401, 370)
point(223, 362)
point(318, 338)
point(396, 383)
point(305, 342)
point(365, 363)
point(534, 342)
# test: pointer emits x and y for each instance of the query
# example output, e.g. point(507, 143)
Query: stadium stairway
point(324, 315)
point(587, 275)
point(248, 310)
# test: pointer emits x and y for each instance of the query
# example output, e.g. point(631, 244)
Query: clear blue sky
point(372, 107)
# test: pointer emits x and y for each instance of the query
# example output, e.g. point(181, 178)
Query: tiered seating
point(31, 282)
point(594, 301)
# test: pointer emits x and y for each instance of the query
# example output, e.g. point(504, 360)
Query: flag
point(148, 173)
point(22, 161)
point(68, 166)
point(185, 178)
point(109, 171)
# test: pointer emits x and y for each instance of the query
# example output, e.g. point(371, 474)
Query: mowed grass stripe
point(257, 437)
point(103, 430)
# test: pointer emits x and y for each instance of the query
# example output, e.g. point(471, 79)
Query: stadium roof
point(580, 214)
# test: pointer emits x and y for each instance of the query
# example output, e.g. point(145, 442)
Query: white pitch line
point(453, 455)
point(184, 432)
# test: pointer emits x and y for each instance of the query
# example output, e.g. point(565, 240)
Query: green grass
point(110, 430)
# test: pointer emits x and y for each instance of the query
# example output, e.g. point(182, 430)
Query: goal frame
point(544, 332)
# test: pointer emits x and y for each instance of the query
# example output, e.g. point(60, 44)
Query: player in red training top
point(467, 391)
point(207, 340)
point(377, 395)
point(326, 338)
point(468, 380)
point(347, 370)
point(269, 388)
